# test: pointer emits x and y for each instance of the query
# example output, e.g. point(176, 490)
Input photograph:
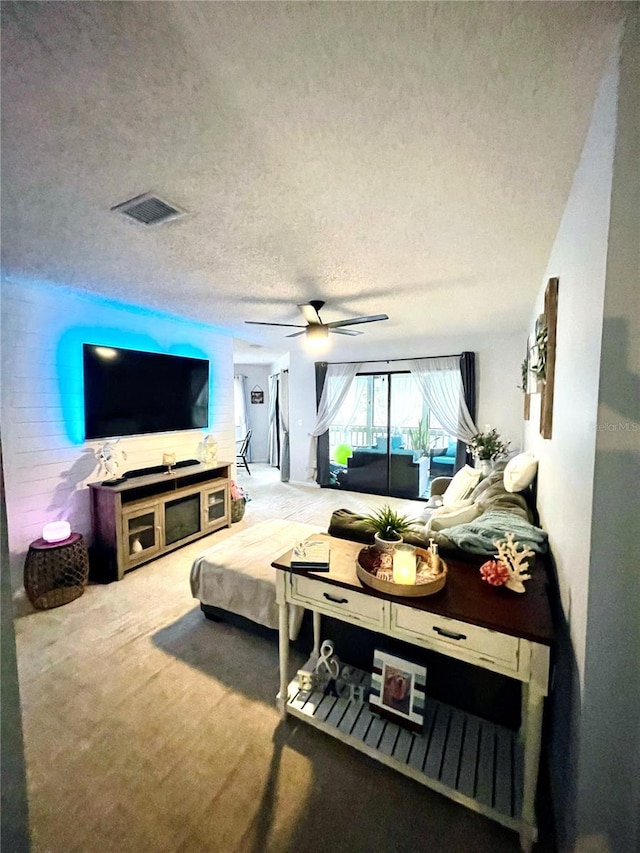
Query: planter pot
point(237, 510)
point(485, 466)
point(386, 545)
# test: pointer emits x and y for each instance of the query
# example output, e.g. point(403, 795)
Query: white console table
point(486, 767)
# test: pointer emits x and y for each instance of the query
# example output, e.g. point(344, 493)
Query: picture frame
point(257, 397)
point(398, 690)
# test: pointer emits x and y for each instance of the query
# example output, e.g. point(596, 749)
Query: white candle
point(404, 567)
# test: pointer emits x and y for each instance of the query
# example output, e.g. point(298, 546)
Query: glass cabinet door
point(215, 509)
point(141, 533)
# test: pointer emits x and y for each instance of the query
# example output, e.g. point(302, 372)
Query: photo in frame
point(398, 690)
point(257, 397)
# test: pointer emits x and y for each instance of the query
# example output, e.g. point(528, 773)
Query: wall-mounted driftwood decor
point(549, 367)
point(526, 381)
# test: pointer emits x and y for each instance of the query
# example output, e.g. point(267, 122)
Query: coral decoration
point(515, 562)
point(494, 572)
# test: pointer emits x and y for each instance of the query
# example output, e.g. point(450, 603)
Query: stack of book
point(313, 554)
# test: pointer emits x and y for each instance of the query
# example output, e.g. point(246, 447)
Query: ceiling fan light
point(317, 337)
point(317, 333)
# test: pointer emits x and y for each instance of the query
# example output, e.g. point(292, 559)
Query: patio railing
point(362, 436)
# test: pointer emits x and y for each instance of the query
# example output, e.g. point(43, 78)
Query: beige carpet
point(150, 729)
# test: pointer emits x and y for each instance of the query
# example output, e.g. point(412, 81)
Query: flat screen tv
point(128, 392)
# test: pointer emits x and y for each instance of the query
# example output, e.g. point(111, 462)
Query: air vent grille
point(148, 209)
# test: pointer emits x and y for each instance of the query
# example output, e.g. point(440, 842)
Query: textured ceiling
point(407, 158)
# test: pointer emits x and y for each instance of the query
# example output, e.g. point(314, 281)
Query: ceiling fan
point(315, 328)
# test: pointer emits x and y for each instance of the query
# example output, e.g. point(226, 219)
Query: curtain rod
point(390, 360)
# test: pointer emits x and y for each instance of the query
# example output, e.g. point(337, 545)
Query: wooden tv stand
point(147, 516)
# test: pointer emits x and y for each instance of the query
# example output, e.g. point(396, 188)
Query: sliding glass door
point(381, 440)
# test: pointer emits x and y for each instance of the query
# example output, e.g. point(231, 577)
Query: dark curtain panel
point(322, 460)
point(468, 372)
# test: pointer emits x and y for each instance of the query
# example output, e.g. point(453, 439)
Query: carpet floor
point(149, 728)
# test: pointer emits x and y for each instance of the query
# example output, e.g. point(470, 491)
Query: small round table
point(56, 572)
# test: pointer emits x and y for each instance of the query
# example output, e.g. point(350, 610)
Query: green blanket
point(478, 536)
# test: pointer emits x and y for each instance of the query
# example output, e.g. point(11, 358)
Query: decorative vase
point(485, 466)
point(237, 510)
point(386, 546)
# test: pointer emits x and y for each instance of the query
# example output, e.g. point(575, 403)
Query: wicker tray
point(402, 589)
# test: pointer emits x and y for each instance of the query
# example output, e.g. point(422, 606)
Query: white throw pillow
point(520, 471)
point(460, 513)
point(461, 486)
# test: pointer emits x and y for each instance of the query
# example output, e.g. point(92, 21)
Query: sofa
point(366, 470)
point(443, 459)
point(463, 526)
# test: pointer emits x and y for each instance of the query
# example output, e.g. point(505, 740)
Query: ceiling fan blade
point(344, 332)
point(311, 310)
point(295, 334)
point(289, 325)
point(373, 318)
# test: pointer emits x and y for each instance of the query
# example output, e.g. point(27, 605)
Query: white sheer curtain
point(440, 383)
point(284, 423)
point(336, 387)
point(344, 417)
point(274, 461)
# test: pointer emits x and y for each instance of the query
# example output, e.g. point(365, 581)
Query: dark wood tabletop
point(465, 596)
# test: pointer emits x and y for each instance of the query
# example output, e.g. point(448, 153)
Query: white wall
point(257, 376)
point(588, 478)
point(566, 463)
point(498, 359)
point(611, 730)
point(46, 463)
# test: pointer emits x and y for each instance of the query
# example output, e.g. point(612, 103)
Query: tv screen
point(127, 392)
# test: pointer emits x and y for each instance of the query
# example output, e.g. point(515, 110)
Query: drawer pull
point(335, 600)
point(451, 635)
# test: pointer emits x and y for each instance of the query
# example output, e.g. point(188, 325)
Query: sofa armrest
point(439, 485)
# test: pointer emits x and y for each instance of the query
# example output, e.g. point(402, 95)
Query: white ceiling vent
point(148, 209)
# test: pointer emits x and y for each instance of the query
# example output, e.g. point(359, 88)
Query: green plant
point(524, 374)
point(488, 445)
point(388, 523)
point(420, 437)
point(539, 366)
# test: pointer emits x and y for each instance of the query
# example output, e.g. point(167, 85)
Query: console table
point(146, 516)
point(489, 768)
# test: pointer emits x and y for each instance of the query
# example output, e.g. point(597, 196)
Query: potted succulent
point(388, 527)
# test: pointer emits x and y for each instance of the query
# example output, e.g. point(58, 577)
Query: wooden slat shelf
point(470, 760)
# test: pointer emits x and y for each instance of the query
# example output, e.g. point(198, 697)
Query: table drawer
point(450, 634)
point(335, 600)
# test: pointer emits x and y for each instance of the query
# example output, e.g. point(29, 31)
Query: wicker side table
point(56, 572)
